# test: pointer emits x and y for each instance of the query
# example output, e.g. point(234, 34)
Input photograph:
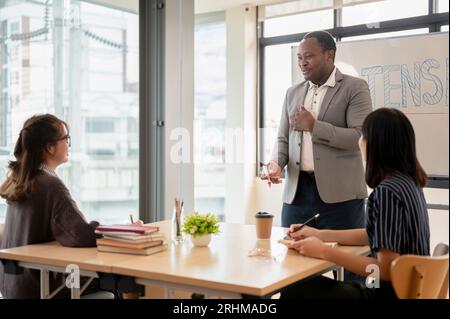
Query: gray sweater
point(47, 214)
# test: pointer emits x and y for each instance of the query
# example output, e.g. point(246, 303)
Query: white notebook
point(289, 241)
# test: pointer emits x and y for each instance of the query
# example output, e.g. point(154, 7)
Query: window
point(442, 6)
point(210, 114)
point(371, 13)
point(304, 22)
point(95, 91)
point(15, 100)
point(15, 78)
point(99, 153)
point(15, 53)
point(100, 125)
point(444, 28)
point(15, 27)
point(277, 78)
point(133, 126)
point(4, 158)
point(386, 34)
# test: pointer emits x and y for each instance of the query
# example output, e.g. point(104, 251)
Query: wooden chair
point(441, 249)
point(420, 277)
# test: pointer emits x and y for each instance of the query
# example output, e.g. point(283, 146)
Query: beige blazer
point(338, 166)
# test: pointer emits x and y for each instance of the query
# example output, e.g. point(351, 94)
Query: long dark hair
point(390, 147)
point(38, 133)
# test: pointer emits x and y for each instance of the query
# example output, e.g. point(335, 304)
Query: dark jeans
point(307, 202)
point(325, 288)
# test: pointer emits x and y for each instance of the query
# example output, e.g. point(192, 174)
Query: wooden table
point(52, 257)
point(224, 268)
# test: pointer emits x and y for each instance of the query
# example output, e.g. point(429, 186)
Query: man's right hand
point(274, 173)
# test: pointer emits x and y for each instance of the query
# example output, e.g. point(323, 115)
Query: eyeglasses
point(67, 138)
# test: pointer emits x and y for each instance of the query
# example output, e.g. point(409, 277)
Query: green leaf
point(197, 225)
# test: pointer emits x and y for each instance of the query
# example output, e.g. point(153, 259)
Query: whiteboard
point(408, 73)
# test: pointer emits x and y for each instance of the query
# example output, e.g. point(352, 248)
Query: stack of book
point(130, 239)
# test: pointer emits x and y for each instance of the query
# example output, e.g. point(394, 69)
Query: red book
point(135, 229)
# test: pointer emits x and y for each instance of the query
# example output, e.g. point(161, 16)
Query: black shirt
point(397, 217)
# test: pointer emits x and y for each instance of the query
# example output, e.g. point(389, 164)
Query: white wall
point(241, 112)
point(245, 193)
point(439, 219)
point(269, 199)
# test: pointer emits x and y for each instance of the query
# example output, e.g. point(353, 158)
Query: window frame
point(433, 21)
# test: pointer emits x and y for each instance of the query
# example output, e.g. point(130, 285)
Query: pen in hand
point(131, 218)
point(265, 173)
point(272, 175)
point(296, 229)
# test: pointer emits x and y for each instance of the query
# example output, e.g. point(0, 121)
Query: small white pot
point(201, 241)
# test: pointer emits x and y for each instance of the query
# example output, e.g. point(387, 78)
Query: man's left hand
point(302, 120)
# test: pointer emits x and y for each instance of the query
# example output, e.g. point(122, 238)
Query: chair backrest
point(441, 249)
point(420, 277)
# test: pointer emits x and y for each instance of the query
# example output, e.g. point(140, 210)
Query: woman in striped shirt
point(397, 218)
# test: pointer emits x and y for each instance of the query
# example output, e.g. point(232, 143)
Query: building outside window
point(85, 71)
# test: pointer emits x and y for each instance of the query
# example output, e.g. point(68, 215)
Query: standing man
point(318, 141)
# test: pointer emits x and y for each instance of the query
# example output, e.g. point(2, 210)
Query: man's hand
point(302, 120)
point(273, 173)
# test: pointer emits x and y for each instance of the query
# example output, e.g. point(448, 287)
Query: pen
point(131, 218)
point(265, 172)
point(302, 225)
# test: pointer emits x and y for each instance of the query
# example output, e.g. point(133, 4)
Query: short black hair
point(324, 38)
point(390, 147)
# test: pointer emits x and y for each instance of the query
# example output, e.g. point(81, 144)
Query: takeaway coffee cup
point(263, 221)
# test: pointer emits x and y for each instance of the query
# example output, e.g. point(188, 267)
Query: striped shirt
point(397, 217)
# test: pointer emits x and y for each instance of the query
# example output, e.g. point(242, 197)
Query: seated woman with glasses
point(39, 206)
point(397, 217)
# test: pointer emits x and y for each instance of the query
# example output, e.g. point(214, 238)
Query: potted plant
point(200, 227)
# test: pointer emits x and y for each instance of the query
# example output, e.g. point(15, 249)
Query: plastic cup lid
point(263, 215)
